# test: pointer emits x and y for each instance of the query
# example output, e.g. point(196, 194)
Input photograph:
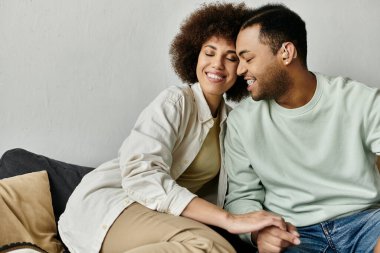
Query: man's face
point(266, 77)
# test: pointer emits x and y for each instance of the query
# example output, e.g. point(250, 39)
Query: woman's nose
point(217, 63)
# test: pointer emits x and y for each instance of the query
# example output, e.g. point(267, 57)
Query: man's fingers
point(292, 229)
point(267, 247)
point(285, 235)
point(275, 241)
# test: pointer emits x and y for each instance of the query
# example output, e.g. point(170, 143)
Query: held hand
point(253, 222)
point(274, 240)
point(377, 247)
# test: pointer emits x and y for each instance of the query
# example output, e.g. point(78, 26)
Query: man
point(305, 146)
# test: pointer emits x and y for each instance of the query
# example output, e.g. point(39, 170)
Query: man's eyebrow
point(243, 52)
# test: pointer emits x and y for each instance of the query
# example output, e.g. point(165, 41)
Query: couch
point(62, 179)
point(34, 191)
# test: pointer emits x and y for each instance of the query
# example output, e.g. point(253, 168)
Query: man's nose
point(241, 69)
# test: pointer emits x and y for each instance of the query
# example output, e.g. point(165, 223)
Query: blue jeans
point(356, 233)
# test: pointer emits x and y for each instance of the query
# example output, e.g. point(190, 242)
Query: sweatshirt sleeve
point(372, 120)
point(245, 191)
point(146, 155)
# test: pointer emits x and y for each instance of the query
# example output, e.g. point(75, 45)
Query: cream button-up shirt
point(164, 141)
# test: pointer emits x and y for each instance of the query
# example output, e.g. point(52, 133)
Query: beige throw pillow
point(26, 212)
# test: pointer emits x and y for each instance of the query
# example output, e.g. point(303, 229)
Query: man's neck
point(301, 91)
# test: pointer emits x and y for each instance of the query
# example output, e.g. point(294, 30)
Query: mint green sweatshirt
point(308, 164)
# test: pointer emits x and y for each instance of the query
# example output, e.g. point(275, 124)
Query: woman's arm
point(145, 158)
point(205, 212)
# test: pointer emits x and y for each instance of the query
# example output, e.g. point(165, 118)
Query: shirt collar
point(204, 113)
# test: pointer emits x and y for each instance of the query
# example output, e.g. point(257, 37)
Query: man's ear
point(288, 52)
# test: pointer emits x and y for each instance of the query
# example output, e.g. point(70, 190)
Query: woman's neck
point(213, 103)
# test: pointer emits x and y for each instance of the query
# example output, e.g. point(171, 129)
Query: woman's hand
point(205, 212)
point(253, 222)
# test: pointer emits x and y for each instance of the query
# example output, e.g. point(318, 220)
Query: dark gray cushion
point(63, 177)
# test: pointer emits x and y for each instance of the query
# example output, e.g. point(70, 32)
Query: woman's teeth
point(213, 76)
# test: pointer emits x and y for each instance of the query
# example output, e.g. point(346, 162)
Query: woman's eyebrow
point(211, 46)
point(228, 51)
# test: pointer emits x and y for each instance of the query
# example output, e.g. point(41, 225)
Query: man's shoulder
point(348, 93)
point(246, 108)
point(344, 84)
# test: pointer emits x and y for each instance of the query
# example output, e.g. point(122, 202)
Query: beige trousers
point(141, 230)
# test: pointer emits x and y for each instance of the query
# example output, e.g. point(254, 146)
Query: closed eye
point(249, 59)
point(232, 59)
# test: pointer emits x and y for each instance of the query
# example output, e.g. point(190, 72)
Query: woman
point(146, 199)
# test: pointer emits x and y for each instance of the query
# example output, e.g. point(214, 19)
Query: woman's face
point(216, 67)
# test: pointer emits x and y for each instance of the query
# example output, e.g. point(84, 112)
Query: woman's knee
point(203, 240)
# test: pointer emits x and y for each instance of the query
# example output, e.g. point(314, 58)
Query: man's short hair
point(279, 24)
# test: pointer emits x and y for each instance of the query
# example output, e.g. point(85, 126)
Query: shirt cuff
point(176, 201)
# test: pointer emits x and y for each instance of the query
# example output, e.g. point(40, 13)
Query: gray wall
point(74, 74)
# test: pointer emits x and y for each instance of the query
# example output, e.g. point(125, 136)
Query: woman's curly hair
point(222, 20)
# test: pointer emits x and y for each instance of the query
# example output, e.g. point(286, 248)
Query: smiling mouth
point(215, 76)
point(251, 81)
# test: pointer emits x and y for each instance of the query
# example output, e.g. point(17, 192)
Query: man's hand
point(377, 247)
point(273, 239)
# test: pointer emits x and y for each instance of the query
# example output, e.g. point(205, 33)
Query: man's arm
point(246, 194)
point(371, 119)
